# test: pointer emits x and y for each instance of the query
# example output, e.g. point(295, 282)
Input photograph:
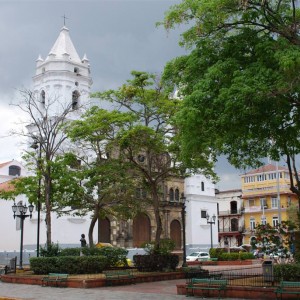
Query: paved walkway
point(159, 290)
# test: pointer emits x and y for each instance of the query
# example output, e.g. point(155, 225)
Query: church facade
point(66, 78)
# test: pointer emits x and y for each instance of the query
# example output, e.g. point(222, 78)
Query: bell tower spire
point(62, 75)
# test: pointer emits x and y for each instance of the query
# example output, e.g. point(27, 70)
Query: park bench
point(288, 287)
point(204, 284)
point(119, 276)
point(55, 279)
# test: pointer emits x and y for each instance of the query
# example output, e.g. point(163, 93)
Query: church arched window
point(14, 170)
point(202, 186)
point(171, 195)
point(43, 97)
point(177, 195)
point(75, 99)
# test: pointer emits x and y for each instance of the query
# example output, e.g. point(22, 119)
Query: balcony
point(231, 229)
point(252, 209)
point(231, 212)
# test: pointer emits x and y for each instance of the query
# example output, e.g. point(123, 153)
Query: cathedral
point(66, 78)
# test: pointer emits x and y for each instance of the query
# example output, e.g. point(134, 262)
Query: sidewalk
point(159, 290)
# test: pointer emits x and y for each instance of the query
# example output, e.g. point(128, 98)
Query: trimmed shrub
point(115, 256)
point(156, 262)
point(44, 265)
point(166, 246)
point(236, 256)
point(50, 251)
point(68, 264)
point(222, 254)
point(216, 252)
point(70, 252)
point(288, 272)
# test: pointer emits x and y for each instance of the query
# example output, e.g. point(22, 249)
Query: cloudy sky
point(118, 36)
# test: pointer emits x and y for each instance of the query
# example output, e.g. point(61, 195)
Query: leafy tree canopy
point(240, 82)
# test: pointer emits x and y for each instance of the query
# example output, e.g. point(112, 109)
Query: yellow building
point(261, 189)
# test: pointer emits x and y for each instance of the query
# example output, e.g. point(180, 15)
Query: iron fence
point(256, 277)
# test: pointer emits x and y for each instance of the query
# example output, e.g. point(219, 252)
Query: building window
point(202, 186)
point(263, 220)
point(252, 224)
point(203, 214)
point(251, 202)
point(275, 221)
point(263, 203)
point(171, 195)
point(274, 202)
point(177, 195)
point(14, 171)
point(76, 70)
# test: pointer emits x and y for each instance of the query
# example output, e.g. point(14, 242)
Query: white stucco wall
point(198, 232)
point(65, 230)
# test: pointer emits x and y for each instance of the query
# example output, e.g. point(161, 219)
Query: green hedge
point(288, 272)
point(156, 262)
point(115, 256)
point(222, 254)
point(68, 264)
point(236, 256)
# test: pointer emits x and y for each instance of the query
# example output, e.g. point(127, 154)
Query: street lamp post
point(182, 200)
point(211, 221)
point(20, 212)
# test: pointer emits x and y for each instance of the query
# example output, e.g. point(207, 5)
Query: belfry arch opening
point(75, 99)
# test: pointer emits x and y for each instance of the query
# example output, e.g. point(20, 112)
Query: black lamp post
point(182, 200)
point(211, 221)
point(20, 211)
point(35, 146)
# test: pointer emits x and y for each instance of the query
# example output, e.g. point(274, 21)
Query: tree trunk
point(48, 209)
point(92, 225)
point(156, 208)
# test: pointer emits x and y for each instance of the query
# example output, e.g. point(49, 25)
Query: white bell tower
point(63, 77)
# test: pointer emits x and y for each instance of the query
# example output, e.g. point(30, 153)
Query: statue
point(83, 241)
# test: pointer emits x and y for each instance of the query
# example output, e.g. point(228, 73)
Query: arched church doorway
point(104, 231)
point(175, 233)
point(141, 230)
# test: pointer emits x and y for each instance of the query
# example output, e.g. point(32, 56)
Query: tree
point(275, 238)
point(218, 17)
point(45, 128)
point(150, 144)
point(240, 82)
point(108, 182)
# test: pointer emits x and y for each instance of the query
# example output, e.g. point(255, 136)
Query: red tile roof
point(265, 169)
point(6, 186)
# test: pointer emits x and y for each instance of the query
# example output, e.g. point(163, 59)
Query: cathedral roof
point(64, 46)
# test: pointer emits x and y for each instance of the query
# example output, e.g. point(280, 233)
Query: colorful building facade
point(267, 198)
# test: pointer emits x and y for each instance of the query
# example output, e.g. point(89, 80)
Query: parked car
point(198, 256)
point(237, 249)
